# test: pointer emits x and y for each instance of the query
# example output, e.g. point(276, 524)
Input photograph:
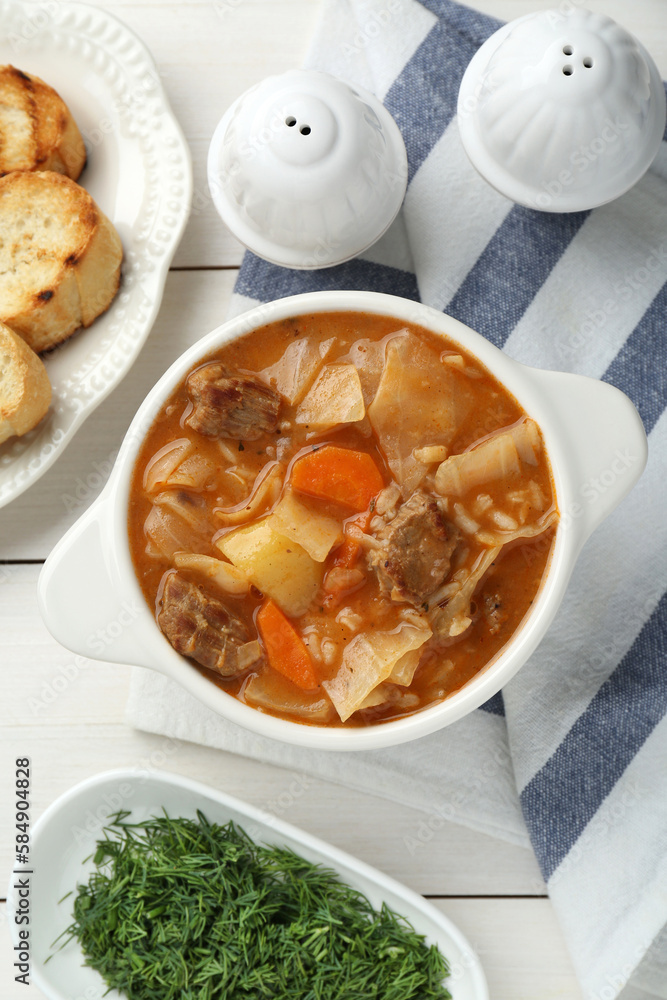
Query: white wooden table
point(68, 718)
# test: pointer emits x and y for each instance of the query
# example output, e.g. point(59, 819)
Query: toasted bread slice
point(25, 390)
point(60, 257)
point(37, 131)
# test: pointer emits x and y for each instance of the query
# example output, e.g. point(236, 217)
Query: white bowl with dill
point(64, 843)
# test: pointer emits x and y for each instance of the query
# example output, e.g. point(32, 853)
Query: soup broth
point(341, 519)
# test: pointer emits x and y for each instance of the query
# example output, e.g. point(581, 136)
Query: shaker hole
point(567, 50)
point(290, 121)
point(568, 70)
point(588, 62)
point(305, 130)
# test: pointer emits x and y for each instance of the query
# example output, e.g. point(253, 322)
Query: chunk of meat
point(228, 404)
point(199, 626)
point(415, 557)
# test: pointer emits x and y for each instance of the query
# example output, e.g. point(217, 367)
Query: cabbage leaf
point(293, 373)
point(456, 616)
point(334, 398)
point(500, 455)
point(414, 407)
point(368, 660)
point(177, 522)
point(225, 575)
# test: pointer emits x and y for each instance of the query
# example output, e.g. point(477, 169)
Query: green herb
point(181, 908)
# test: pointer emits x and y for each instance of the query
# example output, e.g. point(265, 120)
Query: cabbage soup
point(340, 518)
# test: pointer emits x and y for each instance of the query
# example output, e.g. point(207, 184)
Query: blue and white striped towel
point(573, 756)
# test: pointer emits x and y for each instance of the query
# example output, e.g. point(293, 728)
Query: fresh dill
point(187, 909)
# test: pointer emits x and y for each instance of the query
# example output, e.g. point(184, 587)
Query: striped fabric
point(589, 710)
point(572, 757)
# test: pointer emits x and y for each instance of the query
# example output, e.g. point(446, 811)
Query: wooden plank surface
point(67, 714)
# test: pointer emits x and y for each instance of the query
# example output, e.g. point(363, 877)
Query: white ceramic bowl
point(91, 601)
point(65, 835)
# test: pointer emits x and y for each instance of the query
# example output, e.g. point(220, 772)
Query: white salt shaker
point(562, 111)
point(307, 171)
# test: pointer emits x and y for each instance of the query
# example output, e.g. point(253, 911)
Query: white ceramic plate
point(67, 831)
point(139, 172)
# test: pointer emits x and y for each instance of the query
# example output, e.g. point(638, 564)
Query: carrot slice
point(348, 551)
point(340, 474)
point(285, 649)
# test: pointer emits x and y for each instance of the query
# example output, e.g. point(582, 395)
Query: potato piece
point(334, 398)
point(316, 533)
point(275, 564)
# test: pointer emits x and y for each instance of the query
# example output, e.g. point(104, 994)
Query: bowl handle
point(83, 601)
point(602, 440)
